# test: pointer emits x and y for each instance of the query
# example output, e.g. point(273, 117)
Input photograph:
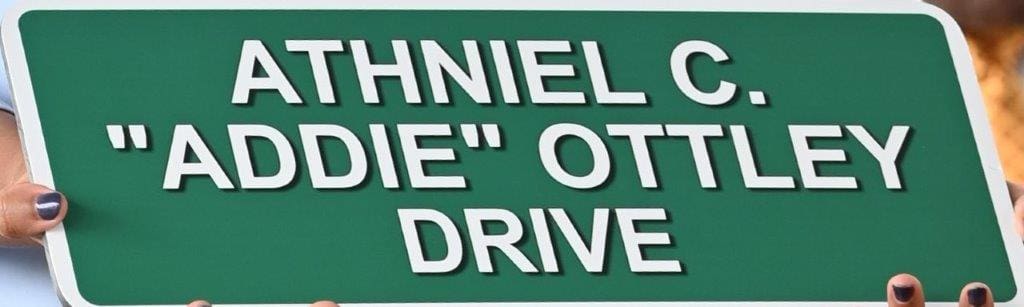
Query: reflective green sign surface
point(525, 155)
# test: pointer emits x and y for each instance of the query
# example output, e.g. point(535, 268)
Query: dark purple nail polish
point(48, 205)
point(903, 294)
point(977, 296)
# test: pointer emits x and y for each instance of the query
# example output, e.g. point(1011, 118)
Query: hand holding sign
point(26, 209)
point(905, 290)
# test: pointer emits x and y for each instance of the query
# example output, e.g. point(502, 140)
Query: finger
point(1016, 190)
point(976, 294)
point(28, 210)
point(904, 290)
point(199, 303)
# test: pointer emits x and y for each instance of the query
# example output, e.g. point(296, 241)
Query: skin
point(918, 300)
point(21, 225)
point(979, 15)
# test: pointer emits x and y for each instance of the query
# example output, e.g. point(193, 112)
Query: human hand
point(202, 303)
point(904, 290)
point(26, 210)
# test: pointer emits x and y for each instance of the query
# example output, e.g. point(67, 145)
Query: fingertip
point(904, 279)
point(976, 294)
point(905, 290)
point(324, 304)
point(51, 208)
point(199, 303)
point(50, 205)
point(29, 210)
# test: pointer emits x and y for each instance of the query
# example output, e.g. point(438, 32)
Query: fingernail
point(977, 296)
point(903, 293)
point(48, 205)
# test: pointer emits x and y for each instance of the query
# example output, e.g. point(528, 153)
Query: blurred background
point(995, 33)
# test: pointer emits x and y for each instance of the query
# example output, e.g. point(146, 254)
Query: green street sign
point(762, 154)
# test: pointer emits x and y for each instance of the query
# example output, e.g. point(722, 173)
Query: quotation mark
point(136, 133)
point(470, 133)
point(758, 98)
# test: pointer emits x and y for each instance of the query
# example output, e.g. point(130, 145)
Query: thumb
point(905, 290)
point(976, 294)
point(27, 210)
point(199, 303)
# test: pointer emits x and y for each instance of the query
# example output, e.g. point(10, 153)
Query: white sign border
point(56, 243)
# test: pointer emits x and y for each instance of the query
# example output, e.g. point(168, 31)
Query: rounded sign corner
point(12, 18)
point(1017, 299)
point(69, 294)
point(943, 18)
